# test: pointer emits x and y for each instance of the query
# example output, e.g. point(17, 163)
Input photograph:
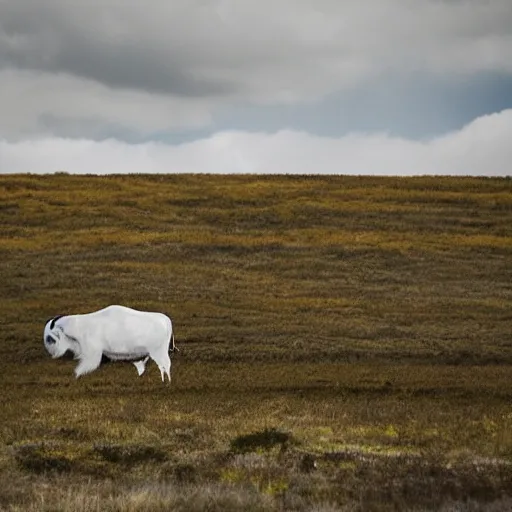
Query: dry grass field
point(346, 343)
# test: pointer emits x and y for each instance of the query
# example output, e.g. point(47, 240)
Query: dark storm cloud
point(284, 50)
point(41, 39)
point(135, 67)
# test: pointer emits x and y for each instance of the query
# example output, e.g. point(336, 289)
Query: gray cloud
point(63, 105)
point(416, 106)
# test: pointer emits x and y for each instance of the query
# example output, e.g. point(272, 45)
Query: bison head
point(54, 338)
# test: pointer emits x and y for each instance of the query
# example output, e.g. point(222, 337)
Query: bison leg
point(163, 361)
point(88, 363)
point(141, 365)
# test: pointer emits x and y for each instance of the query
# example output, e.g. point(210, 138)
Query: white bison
point(117, 332)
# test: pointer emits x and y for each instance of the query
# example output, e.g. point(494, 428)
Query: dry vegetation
point(345, 343)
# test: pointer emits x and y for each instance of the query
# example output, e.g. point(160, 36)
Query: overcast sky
point(307, 86)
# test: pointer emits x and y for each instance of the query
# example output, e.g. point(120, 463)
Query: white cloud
point(480, 148)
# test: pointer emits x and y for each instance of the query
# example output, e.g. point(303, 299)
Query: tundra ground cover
point(345, 343)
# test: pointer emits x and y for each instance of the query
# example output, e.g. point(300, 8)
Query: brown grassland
point(345, 343)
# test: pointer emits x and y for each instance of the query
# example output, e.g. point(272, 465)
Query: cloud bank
point(481, 148)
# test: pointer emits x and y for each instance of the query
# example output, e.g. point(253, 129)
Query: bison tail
point(172, 346)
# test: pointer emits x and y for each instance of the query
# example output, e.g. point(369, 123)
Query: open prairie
point(345, 343)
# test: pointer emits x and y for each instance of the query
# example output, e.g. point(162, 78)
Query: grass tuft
point(264, 440)
point(42, 458)
point(130, 454)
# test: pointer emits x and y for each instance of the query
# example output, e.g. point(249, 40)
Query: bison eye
point(50, 340)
